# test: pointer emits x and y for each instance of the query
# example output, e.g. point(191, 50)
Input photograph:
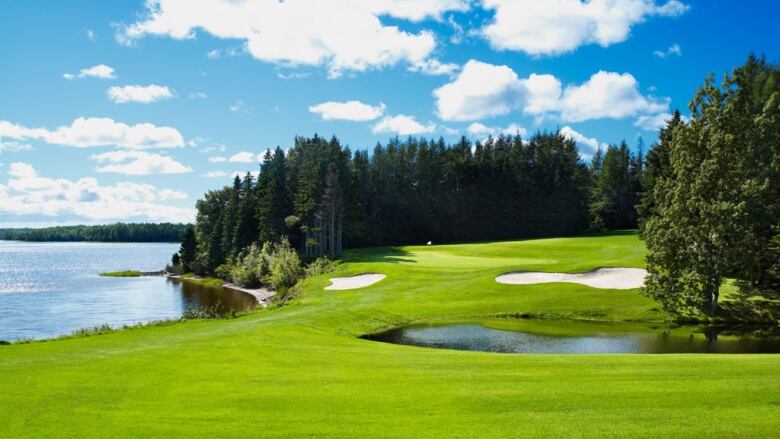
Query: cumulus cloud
point(215, 174)
point(608, 95)
point(481, 130)
point(674, 49)
point(244, 157)
point(98, 131)
point(138, 163)
point(100, 71)
point(139, 93)
point(587, 145)
point(218, 159)
point(402, 125)
point(28, 193)
point(342, 35)
point(483, 90)
point(553, 27)
point(350, 110)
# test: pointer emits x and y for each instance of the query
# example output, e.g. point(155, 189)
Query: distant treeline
point(119, 232)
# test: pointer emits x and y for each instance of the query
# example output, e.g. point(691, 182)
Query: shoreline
point(261, 295)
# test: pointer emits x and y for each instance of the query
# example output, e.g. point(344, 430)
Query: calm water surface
point(52, 289)
point(603, 340)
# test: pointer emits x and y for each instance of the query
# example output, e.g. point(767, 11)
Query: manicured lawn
point(301, 371)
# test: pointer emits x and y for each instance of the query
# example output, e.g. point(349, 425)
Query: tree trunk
point(713, 300)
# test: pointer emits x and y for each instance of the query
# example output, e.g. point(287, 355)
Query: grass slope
point(300, 371)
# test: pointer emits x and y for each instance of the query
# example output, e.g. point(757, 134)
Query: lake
point(566, 337)
point(52, 289)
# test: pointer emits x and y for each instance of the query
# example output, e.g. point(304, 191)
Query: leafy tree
point(715, 212)
point(615, 190)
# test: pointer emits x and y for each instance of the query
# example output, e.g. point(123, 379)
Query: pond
point(562, 337)
point(53, 289)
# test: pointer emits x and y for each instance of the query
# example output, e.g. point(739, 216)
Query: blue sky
point(132, 110)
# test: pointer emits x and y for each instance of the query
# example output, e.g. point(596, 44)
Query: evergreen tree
point(188, 250)
point(246, 222)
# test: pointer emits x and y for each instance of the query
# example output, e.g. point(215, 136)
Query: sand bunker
point(610, 278)
point(352, 282)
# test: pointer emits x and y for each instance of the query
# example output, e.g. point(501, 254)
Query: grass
point(212, 282)
point(301, 371)
point(125, 273)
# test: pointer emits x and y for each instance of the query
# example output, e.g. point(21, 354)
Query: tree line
point(118, 232)
point(324, 197)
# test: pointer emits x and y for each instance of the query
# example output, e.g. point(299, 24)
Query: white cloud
point(481, 90)
point(91, 36)
point(350, 110)
point(244, 157)
point(674, 49)
point(215, 174)
point(434, 67)
point(608, 95)
point(587, 145)
point(402, 125)
point(28, 193)
point(100, 71)
point(197, 95)
point(139, 93)
point(481, 130)
point(98, 131)
point(170, 194)
point(342, 35)
point(13, 146)
point(654, 122)
point(552, 27)
point(138, 163)
point(218, 159)
point(484, 90)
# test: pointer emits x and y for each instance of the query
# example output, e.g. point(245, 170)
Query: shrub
point(319, 266)
point(285, 266)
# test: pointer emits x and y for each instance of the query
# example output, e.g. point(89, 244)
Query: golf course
point(303, 370)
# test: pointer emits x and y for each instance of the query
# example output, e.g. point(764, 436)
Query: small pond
point(563, 337)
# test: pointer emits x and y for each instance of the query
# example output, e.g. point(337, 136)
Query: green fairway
point(302, 371)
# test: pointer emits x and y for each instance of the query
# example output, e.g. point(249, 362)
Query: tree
point(715, 212)
point(656, 167)
point(615, 190)
point(273, 204)
point(246, 223)
point(188, 250)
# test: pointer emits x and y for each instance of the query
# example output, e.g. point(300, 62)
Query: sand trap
point(610, 278)
point(352, 282)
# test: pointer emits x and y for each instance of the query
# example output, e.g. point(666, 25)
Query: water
point(601, 339)
point(52, 289)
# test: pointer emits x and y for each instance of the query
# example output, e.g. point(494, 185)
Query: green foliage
point(319, 266)
point(325, 197)
point(713, 215)
point(617, 176)
point(119, 232)
point(188, 250)
point(252, 269)
point(284, 266)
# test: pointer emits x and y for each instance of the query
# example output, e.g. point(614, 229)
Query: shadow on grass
point(378, 254)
